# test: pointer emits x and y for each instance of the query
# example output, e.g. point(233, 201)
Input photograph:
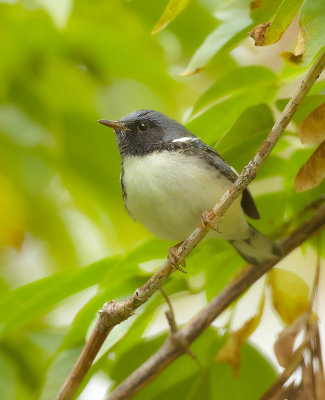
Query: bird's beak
point(116, 125)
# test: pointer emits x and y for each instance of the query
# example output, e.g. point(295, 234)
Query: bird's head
point(144, 131)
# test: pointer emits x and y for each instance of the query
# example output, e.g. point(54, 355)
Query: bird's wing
point(215, 159)
point(124, 194)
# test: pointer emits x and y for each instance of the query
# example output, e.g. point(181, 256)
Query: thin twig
point(114, 313)
point(315, 287)
point(170, 315)
point(169, 352)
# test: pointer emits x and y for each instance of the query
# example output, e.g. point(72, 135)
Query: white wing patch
point(185, 139)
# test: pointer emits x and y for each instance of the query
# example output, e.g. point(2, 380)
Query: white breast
point(168, 191)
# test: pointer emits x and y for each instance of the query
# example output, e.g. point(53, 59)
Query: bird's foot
point(174, 258)
point(205, 221)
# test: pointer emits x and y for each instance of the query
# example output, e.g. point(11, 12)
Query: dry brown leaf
point(255, 4)
point(258, 33)
point(320, 384)
point(283, 347)
point(296, 56)
point(292, 392)
point(319, 373)
point(312, 172)
point(290, 294)
point(230, 352)
point(308, 383)
point(312, 128)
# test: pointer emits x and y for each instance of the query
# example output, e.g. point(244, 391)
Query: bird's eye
point(143, 126)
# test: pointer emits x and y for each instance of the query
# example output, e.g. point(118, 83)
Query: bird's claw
point(205, 221)
point(174, 259)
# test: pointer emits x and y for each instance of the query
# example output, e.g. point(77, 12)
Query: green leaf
point(8, 382)
point(230, 352)
point(183, 378)
point(305, 107)
point(234, 17)
point(312, 38)
point(272, 210)
point(125, 335)
point(245, 137)
point(4, 289)
point(230, 96)
point(238, 80)
point(220, 273)
point(115, 289)
point(58, 372)
point(269, 34)
point(118, 275)
point(219, 262)
point(262, 11)
point(285, 14)
point(255, 377)
point(173, 9)
point(35, 299)
point(275, 164)
point(215, 122)
point(122, 338)
point(129, 265)
point(28, 358)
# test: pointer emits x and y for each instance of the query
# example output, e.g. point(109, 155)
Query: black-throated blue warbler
point(170, 178)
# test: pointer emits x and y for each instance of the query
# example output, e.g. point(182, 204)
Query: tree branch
point(113, 313)
point(169, 351)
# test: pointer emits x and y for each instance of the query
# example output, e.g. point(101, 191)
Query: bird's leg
point(205, 221)
point(173, 258)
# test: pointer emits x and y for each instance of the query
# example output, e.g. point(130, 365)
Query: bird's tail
point(256, 248)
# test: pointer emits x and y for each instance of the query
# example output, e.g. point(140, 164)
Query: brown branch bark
point(114, 313)
point(170, 351)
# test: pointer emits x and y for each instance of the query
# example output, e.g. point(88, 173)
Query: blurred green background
point(66, 243)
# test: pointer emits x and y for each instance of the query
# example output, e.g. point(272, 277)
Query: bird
point(170, 178)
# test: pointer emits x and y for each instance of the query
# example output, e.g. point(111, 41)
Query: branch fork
point(175, 335)
point(114, 313)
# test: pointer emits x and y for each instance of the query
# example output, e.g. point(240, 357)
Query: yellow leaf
point(230, 352)
point(290, 294)
point(312, 128)
point(12, 215)
point(312, 172)
point(173, 9)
